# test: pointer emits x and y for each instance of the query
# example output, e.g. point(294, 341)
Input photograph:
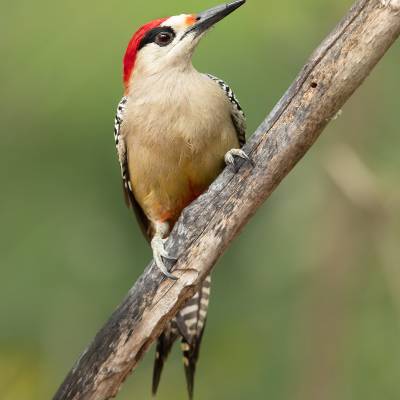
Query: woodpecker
point(175, 129)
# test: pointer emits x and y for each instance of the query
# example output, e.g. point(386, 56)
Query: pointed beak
point(206, 19)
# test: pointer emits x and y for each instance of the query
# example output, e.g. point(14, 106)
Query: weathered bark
point(335, 70)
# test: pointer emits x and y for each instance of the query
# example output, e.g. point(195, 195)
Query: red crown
point(132, 49)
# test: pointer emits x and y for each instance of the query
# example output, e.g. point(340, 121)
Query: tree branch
point(206, 228)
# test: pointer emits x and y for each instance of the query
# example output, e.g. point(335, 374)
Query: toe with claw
point(231, 154)
point(159, 252)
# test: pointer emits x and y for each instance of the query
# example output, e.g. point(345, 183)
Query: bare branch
point(335, 70)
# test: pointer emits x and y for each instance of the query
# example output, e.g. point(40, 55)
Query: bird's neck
point(150, 82)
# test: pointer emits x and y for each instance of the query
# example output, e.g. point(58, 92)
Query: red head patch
point(132, 49)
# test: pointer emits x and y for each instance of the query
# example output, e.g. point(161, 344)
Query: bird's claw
point(159, 252)
point(231, 154)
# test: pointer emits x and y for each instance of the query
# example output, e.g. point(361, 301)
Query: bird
point(175, 130)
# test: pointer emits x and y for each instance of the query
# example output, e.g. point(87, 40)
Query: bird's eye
point(164, 38)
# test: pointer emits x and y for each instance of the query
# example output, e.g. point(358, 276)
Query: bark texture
point(334, 71)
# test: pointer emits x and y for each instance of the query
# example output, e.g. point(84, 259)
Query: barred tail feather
point(188, 324)
point(164, 345)
point(191, 322)
point(190, 357)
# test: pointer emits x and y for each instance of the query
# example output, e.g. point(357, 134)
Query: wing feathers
point(123, 162)
point(237, 113)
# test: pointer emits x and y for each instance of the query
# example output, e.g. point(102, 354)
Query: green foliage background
point(306, 301)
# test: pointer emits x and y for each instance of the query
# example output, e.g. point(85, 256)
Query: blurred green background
point(306, 301)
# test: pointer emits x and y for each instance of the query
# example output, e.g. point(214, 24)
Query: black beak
point(207, 19)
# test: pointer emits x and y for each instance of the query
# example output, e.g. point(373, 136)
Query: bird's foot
point(159, 252)
point(230, 158)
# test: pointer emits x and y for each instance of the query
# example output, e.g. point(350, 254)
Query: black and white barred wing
point(120, 144)
point(123, 162)
point(238, 115)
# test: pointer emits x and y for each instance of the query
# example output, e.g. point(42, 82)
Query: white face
point(169, 46)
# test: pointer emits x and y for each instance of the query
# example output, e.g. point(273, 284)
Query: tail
point(191, 321)
point(189, 324)
point(190, 357)
point(164, 345)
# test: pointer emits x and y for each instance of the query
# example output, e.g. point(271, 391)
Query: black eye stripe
point(150, 36)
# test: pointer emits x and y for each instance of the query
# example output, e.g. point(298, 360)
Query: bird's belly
point(166, 178)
